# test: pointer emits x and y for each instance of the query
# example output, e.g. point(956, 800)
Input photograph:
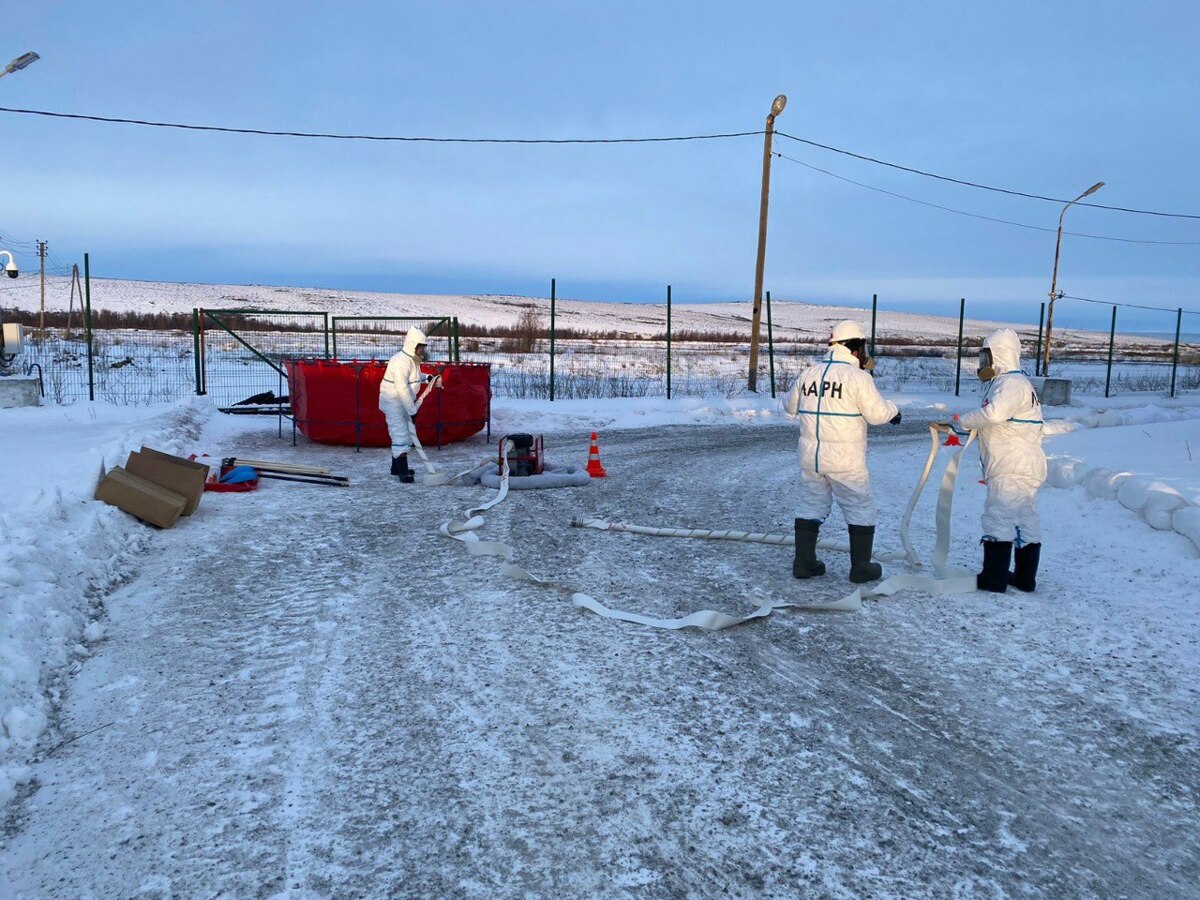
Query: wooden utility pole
point(42, 261)
point(756, 319)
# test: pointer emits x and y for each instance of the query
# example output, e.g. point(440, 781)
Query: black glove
point(895, 421)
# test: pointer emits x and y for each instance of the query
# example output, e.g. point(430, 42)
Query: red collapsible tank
point(337, 402)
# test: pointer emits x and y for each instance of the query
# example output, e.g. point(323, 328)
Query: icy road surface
point(309, 692)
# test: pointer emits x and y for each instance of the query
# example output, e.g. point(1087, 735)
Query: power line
point(1130, 305)
point(375, 137)
point(985, 187)
point(644, 140)
point(869, 187)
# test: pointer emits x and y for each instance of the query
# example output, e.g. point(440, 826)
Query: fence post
point(874, 306)
point(962, 311)
point(203, 352)
point(457, 348)
point(771, 344)
point(668, 342)
point(1037, 366)
point(1112, 337)
point(333, 333)
point(196, 345)
point(553, 293)
point(87, 295)
point(327, 338)
point(1175, 357)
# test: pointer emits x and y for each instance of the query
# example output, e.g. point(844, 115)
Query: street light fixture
point(1054, 293)
point(777, 107)
point(23, 61)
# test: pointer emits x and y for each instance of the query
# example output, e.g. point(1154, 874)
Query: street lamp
point(1054, 294)
point(21, 62)
point(776, 108)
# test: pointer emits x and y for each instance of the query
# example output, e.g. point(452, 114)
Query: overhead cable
point(641, 140)
point(985, 187)
point(376, 137)
point(869, 187)
point(1130, 305)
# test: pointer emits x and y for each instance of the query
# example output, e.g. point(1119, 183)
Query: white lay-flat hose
point(945, 499)
point(711, 620)
point(742, 537)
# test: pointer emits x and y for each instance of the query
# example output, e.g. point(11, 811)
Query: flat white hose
point(710, 620)
point(464, 529)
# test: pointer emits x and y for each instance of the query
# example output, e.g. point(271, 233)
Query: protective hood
point(841, 353)
point(414, 338)
point(1006, 350)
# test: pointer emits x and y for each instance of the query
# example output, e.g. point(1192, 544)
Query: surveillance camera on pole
point(11, 268)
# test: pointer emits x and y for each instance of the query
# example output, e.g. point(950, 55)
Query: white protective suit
point(1009, 423)
point(835, 400)
point(399, 390)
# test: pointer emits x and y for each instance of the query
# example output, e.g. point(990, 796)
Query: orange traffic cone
point(593, 464)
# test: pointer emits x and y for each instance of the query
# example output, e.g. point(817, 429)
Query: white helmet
point(847, 331)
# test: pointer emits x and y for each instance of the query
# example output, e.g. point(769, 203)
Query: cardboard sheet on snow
point(181, 476)
point(155, 487)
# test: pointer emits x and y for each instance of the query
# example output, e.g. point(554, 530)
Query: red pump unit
point(526, 457)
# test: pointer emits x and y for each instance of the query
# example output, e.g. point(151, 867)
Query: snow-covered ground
point(309, 692)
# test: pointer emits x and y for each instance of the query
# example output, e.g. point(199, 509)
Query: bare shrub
point(525, 333)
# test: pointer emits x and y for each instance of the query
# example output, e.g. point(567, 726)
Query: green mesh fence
point(129, 366)
point(1133, 353)
point(380, 337)
point(243, 351)
point(233, 355)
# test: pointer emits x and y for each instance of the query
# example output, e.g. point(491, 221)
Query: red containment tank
point(337, 402)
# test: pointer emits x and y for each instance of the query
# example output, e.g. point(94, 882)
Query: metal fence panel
point(1102, 356)
point(242, 351)
point(380, 337)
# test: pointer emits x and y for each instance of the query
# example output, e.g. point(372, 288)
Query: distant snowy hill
point(792, 320)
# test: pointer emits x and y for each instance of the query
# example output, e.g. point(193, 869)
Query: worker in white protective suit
point(400, 395)
point(1009, 425)
point(835, 400)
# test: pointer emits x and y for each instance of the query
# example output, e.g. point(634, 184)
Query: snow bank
point(61, 552)
point(1182, 409)
point(619, 413)
point(1147, 458)
point(1159, 504)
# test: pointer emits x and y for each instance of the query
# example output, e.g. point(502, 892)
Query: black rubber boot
point(1025, 559)
point(994, 576)
point(406, 474)
point(806, 564)
point(396, 465)
point(862, 540)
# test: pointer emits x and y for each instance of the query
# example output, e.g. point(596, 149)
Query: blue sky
point(1042, 97)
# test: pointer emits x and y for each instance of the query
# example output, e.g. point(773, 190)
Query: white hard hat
point(847, 331)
